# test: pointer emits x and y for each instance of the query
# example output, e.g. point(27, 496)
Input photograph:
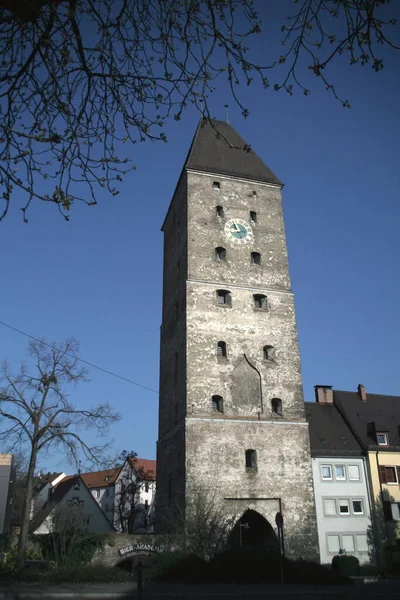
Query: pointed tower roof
point(218, 148)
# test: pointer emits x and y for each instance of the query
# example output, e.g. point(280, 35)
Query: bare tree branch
point(35, 412)
point(82, 78)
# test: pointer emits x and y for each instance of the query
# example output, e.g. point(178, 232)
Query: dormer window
point(382, 439)
point(107, 478)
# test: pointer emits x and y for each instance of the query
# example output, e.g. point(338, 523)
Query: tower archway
point(253, 531)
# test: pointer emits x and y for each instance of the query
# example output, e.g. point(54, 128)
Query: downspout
point(261, 393)
point(382, 501)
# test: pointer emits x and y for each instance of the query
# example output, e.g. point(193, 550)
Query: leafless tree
point(130, 514)
point(80, 78)
point(37, 414)
point(203, 528)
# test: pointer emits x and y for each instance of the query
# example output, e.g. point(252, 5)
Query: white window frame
point(359, 473)
point(326, 514)
point(344, 471)
point(343, 500)
point(384, 435)
point(395, 472)
point(322, 473)
point(352, 506)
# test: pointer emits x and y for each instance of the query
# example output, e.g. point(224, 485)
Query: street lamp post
point(245, 526)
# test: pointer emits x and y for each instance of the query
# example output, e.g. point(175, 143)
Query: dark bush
point(345, 564)
point(241, 566)
point(189, 569)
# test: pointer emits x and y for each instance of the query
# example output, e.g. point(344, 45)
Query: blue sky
point(99, 277)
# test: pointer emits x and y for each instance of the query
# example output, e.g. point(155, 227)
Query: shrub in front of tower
point(345, 564)
point(188, 569)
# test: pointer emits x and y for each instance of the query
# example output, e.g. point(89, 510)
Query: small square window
point(326, 471)
point(217, 404)
point(391, 475)
point(146, 486)
point(348, 543)
point(224, 298)
point(97, 493)
point(353, 472)
point(251, 460)
point(253, 217)
point(357, 507)
point(216, 186)
point(260, 301)
point(330, 506)
point(333, 544)
point(382, 439)
point(344, 507)
point(340, 472)
point(219, 211)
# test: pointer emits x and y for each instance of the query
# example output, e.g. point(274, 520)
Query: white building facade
point(341, 484)
point(343, 507)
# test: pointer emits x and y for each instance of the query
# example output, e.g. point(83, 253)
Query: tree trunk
point(23, 536)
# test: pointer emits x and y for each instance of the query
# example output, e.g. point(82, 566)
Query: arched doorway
point(251, 531)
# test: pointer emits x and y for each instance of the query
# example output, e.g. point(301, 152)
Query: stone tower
point(231, 414)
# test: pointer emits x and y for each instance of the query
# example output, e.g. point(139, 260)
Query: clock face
point(238, 231)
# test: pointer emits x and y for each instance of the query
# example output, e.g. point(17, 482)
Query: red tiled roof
point(148, 466)
point(97, 479)
point(107, 477)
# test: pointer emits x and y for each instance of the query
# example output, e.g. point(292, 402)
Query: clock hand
point(235, 226)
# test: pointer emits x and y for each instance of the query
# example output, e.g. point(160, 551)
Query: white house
point(115, 489)
point(341, 485)
point(43, 489)
point(71, 503)
point(136, 481)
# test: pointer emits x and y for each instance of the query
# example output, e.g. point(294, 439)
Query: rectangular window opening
point(326, 471)
point(340, 472)
point(344, 507)
point(357, 507)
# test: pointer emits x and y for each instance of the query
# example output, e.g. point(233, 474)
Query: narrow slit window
point(220, 211)
point(221, 349)
point(253, 216)
point(224, 298)
point(276, 405)
point(216, 186)
point(220, 253)
point(268, 352)
point(255, 258)
point(251, 460)
point(217, 404)
point(260, 301)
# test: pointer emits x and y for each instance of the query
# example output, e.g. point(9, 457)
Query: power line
point(86, 362)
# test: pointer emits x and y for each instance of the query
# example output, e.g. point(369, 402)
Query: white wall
point(104, 497)
point(348, 531)
point(92, 515)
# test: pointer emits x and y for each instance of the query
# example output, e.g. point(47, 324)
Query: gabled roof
point(218, 148)
point(377, 413)
point(329, 434)
point(103, 478)
point(59, 492)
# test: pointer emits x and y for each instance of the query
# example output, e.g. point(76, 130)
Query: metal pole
point(140, 581)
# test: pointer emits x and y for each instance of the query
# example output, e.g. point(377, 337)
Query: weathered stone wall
point(207, 449)
point(283, 480)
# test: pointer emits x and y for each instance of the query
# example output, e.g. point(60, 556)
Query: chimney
point(324, 394)
point(362, 393)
